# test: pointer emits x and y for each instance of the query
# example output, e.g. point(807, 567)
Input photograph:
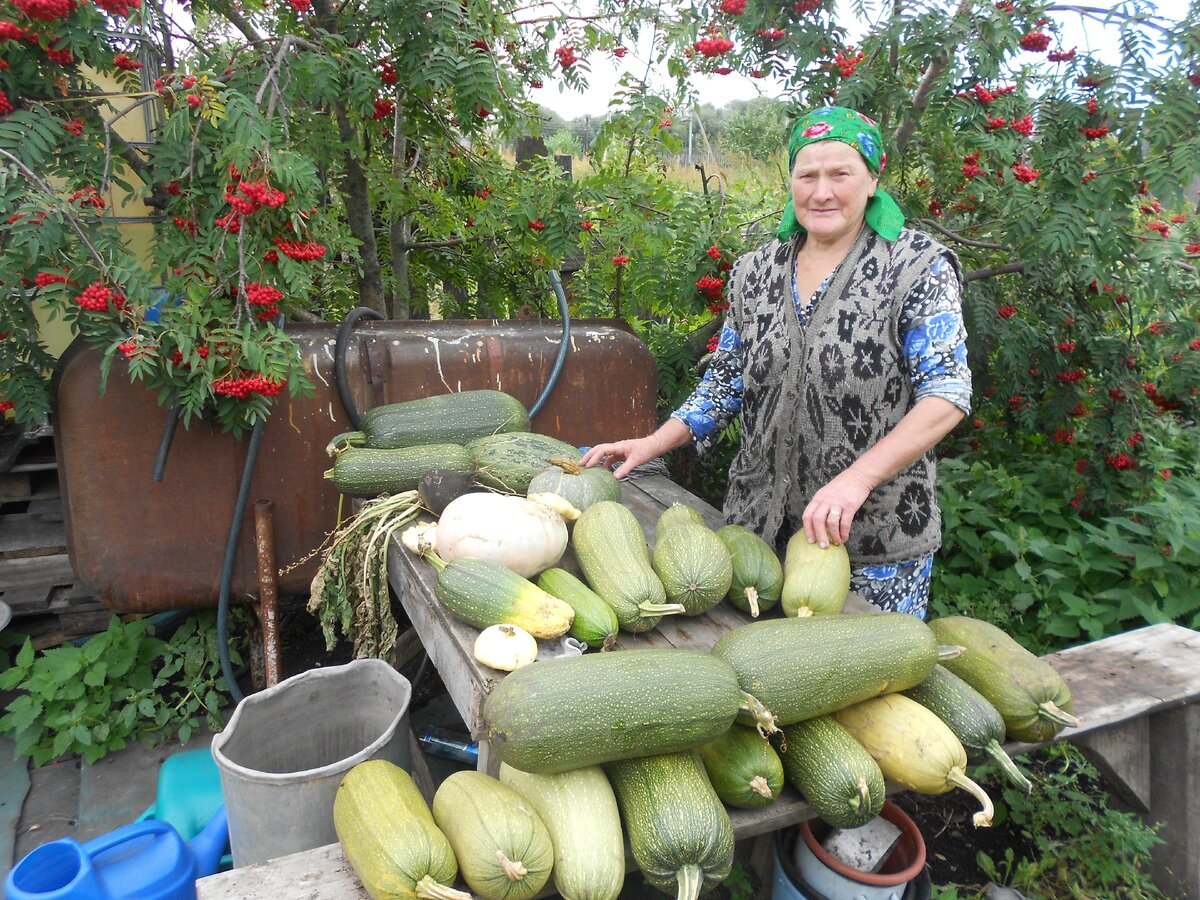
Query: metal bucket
point(286, 750)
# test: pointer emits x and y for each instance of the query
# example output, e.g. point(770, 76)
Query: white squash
point(505, 647)
point(518, 533)
point(580, 811)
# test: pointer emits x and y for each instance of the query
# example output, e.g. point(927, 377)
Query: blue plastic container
point(142, 861)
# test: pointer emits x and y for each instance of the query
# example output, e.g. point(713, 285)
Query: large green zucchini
point(975, 722)
point(482, 593)
point(595, 622)
point(366, 472)
point(503, 849)
point(1031, 697)
point(389, 837)
point(801, 668)
point(757, 573)
point(679, 831)
point(611, 549)
point(743, 767)
point(692, 563)
point(579, 810)
point(509, 462)
point(834, 772)
point(441, 419)
point(562, 714)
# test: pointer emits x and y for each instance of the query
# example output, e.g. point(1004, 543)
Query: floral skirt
point(895, 587)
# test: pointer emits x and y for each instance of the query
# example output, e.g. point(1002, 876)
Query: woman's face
point(831, 185)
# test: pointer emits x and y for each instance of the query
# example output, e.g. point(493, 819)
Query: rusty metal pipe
point(268, 591)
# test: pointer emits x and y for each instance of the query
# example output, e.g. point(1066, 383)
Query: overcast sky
point(721, 89)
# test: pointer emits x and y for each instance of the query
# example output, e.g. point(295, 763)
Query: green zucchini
point(595, 622)
point(834, 772)
point(679, 831)
point(743, 767)
point(482, 593)
point(366, 472)
point(389, 837)
point(580, 811)
point(509, 462)
point(806, 667)
point(677, 514)
point(691, 562)
point(581, 487)
point(816, 579)
point(757, 574)
point(503, 848)
point(1031, 697)
point(441, 419)
point(562, 714)
point(975, 722)
point(611, 549)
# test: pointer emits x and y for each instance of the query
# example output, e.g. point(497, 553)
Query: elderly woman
point(845, 353)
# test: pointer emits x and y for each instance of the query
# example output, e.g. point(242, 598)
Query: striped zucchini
point(579, 810)
point(441, 419)
point(612, 552)
point(974, 721)
point(801, 668)
point(509, 462)
point(366, 472)
point(389, 837)
point(595, 622)
point(757, 574)
point(679, 830)
point(483, 593)
point(563, 714)
point(1033, 699)
point(743, 767)
point(692, 563)
point(834, 772)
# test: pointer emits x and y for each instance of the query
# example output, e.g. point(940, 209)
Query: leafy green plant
point(1084, 847)
point(121, 685)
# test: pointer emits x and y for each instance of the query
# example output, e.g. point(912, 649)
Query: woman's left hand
point(830, 514)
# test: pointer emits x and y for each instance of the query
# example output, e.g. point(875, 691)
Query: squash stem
point(429, 889)
point(647, 608)
point(759, 785)
point(1010, 769)
point(567, 465)
point(764, 720)
point(610, 641)
point(958, 778)
point(691, 879)
point(513, 871)
point(804, 612)
point(752, 601)
point(1049, 711)
point(950, 651)
point(344, 440)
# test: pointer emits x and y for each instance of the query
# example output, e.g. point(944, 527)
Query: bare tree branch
point(955, 236)
point(993, 271)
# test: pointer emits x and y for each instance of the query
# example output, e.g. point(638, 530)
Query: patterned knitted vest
point(815, 400)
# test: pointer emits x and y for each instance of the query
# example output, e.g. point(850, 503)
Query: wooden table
point(1134, 691)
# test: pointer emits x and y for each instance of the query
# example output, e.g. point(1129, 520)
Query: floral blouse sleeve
point(718, 397)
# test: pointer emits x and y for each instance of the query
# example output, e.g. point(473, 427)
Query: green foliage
point(759, 130)
point(563, 143)
point(121, 685)
point(1082, 846)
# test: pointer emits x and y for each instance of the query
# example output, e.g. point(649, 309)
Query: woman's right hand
point(622, 456)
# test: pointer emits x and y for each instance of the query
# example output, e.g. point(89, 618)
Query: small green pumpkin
point(743, 767)
point(579, 486)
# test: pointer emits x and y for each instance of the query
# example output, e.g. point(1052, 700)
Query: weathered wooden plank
point(1175, 800)
point(23, 535)
point(36, 571)
point(320, 874)
point(15, 486)
point(1121, 753)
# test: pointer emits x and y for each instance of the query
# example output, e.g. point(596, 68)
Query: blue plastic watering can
point(145, 860)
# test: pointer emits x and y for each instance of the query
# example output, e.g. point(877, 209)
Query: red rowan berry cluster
point(11, 31)
point(1035, 42)
point(188, 225)
point(132, 349)
point(118, 7)
point(807, 6)
point(619, 261)
point(1005, 6)
point(122, 61)
point(733, 7)
point(1120, 461)
point(1072, 376)
point(1061, 55)
point(1094, 134)
point(384, 109)
point(271, 256)
point(262, 294)
point(565, 57)
point(537, 225)
point(1162, 228)
point(1065, 346)
point(267, 313)
point(995, 124)
point(6, 405)
point(711, 286)
point(45, 10)
point(847, 61)
point(618, 52)
point(587, 225)
point(45, 279)
point(96, 298)
point(5, 104)
point(713, 46)
point(241, 388)
point(88, 196)
point(62, 56)
point(713, 252)
point(1192, 248)
point(230, 222)
point(1023, 127)
point(387, 72)
point(74, 127)
point(300, 6)
point(1006, 311)
point(712, 343)
point(769, 34)
point(1064, 435)
point(300, 250)
point(1023, 173)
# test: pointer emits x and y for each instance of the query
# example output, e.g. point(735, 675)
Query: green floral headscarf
point(837, 123)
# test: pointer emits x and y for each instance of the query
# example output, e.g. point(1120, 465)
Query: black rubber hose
point(563, 347)
point(339, 362)
point(164, 445)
